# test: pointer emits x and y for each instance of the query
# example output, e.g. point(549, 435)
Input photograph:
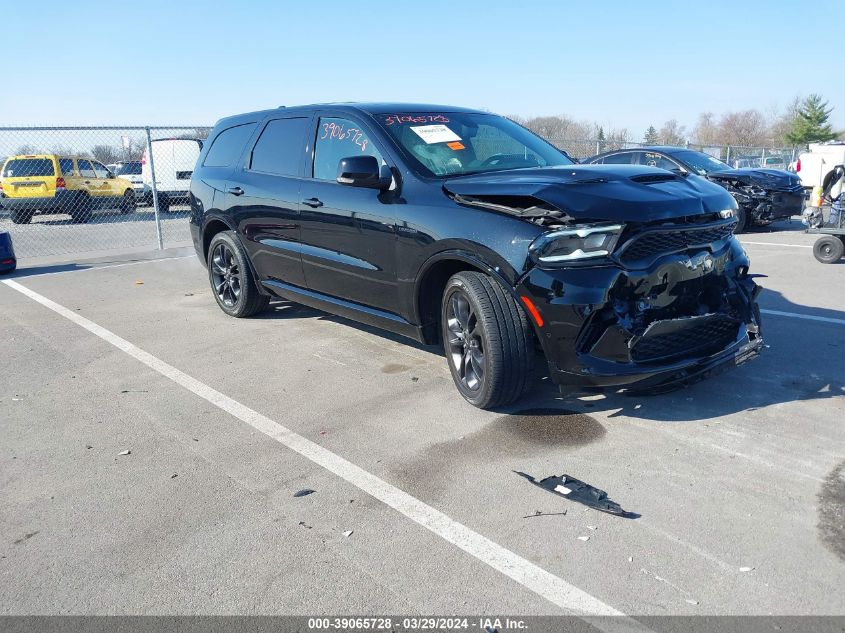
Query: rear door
point(263, 196)
point(87, 177)
point(348, 233)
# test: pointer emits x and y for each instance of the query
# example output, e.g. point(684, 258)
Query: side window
point(657, 160)
point(627, 158)
point(227, 146)
point(100, 170)
point(85, 169)
point(66, 167)
point(336, 139)
point(280, 149)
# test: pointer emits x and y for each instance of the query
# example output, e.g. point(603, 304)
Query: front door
point(348, 238)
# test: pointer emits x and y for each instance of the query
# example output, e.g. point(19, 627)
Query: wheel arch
point(212, 227)
point(431, 282)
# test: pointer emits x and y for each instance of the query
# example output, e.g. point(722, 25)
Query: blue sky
point(622, 64)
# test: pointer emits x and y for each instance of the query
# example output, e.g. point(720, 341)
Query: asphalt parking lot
point(737, 481)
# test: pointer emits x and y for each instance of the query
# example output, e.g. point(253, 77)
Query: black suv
point(453, 225)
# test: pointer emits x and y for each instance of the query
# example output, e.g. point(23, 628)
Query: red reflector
point(532, 310)
point(8, 261)
point(798, 165)
point(60, 183)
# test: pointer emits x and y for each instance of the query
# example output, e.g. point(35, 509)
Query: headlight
point(727, 213)
point(576, 243)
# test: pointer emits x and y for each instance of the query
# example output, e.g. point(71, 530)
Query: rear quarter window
point(23, 167)
point(227, 146)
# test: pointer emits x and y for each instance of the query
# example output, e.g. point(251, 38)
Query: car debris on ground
point(576, 490)
point(304, 492)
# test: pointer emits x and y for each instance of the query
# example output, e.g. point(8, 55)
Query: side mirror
point(361, 171)
point(111, 175)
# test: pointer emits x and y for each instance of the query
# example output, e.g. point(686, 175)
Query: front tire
point(487, 340)
point(82, 210)
point(231, 278)
point(127, 205)
point(742, 221)
point(828, 249)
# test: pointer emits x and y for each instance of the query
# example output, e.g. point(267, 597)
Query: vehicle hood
point(616, 193)
point(775, 179)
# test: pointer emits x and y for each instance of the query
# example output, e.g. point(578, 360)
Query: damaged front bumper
point(675, 320)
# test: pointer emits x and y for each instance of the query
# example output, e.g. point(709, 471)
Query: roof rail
point(280, 107)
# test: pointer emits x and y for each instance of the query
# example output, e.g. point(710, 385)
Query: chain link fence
point(91, 189)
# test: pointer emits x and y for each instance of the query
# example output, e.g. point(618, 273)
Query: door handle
point(313, 202)
point(87, 182)
point(235, 191)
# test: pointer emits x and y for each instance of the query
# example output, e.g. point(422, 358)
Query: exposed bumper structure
point(675, 320)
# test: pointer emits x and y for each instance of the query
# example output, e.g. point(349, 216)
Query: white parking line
point(776, 244)
point(543, 583)
point(807, 317)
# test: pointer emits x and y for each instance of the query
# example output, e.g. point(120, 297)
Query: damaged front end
point(670, 304)
point(636, 280)
point(765, 195)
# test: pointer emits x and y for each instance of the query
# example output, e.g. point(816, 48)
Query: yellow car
point(47, 183)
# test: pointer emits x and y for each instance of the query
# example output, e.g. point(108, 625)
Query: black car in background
point(8, 261)
point(461, 227)
point(763, 195)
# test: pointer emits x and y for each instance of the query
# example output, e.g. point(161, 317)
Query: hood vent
point(649, 179)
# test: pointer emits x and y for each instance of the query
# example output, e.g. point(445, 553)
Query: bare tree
point(106, 154)
point(747, 127)
point(706, 131)
point(672, 133)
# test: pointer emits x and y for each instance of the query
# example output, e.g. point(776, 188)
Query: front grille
point(648, 244)
point(665, 339)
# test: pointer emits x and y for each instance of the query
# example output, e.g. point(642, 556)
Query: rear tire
point(487, 340)
point(231, 278)
point(127, 205)
point(21, 217)
point(82, 210)
point(828, 249)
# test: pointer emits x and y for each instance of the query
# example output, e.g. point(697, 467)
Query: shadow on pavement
point(775, 377)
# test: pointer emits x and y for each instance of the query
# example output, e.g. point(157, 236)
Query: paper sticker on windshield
point(435, 133)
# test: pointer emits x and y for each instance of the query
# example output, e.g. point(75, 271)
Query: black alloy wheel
point(466, 345)
point(487, 340)
point(225, 275)
point(231, 277)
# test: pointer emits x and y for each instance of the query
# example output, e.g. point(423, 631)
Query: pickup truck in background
point(816, 163)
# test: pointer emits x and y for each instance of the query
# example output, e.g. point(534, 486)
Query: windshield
point(457, 143)
point(701, 163)
point(132, 168)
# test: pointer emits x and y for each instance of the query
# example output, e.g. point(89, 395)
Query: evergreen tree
point(811, 122)
point(651, 137)
point(600, 136)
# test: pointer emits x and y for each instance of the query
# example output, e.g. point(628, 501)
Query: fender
point(494, 265)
